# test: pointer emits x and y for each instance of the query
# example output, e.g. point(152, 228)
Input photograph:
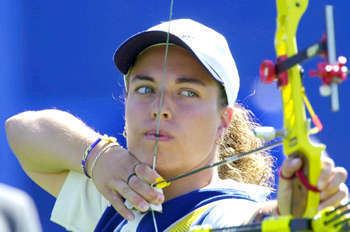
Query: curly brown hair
point(239, 137)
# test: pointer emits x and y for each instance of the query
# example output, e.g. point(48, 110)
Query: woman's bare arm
point(50, 143)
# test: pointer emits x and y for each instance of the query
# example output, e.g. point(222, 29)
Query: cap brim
point(125, 55)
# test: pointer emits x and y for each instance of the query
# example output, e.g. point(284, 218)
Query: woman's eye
point(188, 93)
point(144, 90)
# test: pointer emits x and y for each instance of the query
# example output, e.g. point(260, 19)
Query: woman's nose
point(163, 114)
point(162, 108)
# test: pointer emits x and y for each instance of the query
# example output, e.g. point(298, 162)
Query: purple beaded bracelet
point(87, 153)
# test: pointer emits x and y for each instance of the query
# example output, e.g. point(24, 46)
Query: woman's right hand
point(111, 173)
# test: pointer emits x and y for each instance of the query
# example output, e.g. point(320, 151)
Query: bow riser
point(297, 142)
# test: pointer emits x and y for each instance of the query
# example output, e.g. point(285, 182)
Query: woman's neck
point(190, 183)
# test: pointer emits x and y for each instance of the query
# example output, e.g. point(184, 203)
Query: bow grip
point(305, 200)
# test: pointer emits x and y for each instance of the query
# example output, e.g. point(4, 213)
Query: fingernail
point(322, 195)
point(144, 207)
point(295, 161)
point(160, 198)
point(129, 217)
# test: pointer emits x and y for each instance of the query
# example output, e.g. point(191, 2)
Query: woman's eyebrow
point(190, 80)
point(142, 78)
point(179, 80)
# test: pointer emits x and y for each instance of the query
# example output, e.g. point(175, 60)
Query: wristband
point(88, 150)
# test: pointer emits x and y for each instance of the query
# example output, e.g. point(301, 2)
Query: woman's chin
point(167, 171)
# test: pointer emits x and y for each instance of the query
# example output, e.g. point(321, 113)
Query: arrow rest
point(268, 133)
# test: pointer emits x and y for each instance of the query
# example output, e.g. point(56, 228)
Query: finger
point(145, 190)
point(146, 173)
point(290, 166)
point(127, 193)
point(118, 204)
point(326, 172)
point(336, 178)
point(336, 199)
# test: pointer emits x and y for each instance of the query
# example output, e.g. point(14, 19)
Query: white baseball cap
point(208, 46)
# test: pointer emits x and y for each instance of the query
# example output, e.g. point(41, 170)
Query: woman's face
point(191, 121)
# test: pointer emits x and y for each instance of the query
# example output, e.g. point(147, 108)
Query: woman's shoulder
point(237, 205)
point(253, 192)
point(214, 205)
point(228, 213)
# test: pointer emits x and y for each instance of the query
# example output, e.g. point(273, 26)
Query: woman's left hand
point(333, 190)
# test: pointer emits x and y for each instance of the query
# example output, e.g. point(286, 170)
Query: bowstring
point(161, 102)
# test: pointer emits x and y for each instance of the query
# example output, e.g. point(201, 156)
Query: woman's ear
point(226, 116)
point(225, 120)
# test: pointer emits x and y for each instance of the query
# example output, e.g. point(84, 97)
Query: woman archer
point(180, 108)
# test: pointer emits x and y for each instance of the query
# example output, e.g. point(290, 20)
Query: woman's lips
point(161, 136)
